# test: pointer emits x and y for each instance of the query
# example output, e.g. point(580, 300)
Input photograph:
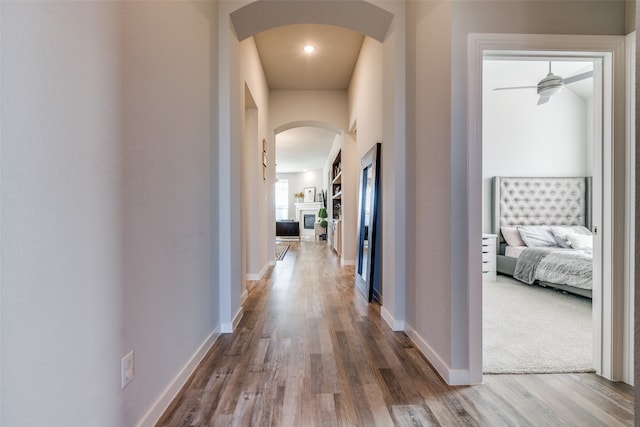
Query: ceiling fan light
point(550, 85)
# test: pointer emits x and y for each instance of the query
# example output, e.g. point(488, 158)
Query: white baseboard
point(259, 276)
point(227, 328)
point(395, 325)
point(162, 403)
point(449, 375)
point(346, 262)
point(244, 296)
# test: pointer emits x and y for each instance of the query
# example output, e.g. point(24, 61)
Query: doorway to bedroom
point(539, 154)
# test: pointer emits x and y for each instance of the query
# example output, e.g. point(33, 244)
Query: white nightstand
point(489, 257)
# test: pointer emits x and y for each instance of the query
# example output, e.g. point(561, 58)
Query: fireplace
point(306, 215)
point(309, 221)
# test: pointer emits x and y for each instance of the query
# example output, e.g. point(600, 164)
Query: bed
point(543, 227)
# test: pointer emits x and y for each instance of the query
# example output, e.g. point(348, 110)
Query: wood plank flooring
point(310, 352)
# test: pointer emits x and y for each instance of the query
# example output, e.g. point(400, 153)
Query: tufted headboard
point(541, 201)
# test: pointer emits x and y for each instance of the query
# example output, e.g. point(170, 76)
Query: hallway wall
point(259, 212)
point(365, 96)
point(62, 308)
point(107, 149)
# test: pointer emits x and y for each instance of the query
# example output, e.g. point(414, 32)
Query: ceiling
point(330, 67)
point(288, 67)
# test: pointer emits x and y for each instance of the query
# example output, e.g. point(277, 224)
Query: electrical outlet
point(127, 370)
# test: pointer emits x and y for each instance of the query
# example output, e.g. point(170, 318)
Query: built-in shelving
point(336, 187)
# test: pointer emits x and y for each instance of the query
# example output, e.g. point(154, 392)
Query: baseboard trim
point(395, 325)
point(227, 328)
point(244, 296)
point(449, 375)
point(346, 262)
point(169, 394)
point(259, 276)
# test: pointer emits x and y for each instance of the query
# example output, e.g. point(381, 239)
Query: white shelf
point(337, 179)
point(337, 195)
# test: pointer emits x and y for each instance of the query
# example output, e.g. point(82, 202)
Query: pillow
point(536, 236)
point(581, 242)
point(512, 236)
point(560, 233)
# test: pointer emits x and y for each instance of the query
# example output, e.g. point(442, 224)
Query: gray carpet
point(531, 329)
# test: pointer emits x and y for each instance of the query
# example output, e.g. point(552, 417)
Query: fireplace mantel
point(306, 208)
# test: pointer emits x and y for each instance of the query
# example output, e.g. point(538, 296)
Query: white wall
point(62, 307)
point(365, 96)
point(167, 188)
point(428, 156)
point(259, 206)
point(438, 115)
point(521, 138)
point(298, 182)
point(106, 205)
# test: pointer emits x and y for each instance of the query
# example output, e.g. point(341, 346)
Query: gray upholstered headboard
point(541, 201)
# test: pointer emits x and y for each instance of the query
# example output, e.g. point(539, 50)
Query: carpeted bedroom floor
point(531, 329)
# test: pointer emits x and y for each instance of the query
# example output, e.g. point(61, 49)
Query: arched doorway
point(383, 24)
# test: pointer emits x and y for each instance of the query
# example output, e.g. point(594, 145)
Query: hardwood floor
point(309, 352)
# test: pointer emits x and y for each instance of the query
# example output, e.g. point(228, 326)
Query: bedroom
point(524, 139)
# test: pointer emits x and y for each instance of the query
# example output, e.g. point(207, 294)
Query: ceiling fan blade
point(543, 100)
point(516, 87)
point(578, 77)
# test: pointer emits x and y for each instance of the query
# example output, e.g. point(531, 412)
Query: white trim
point(259, 276)
point(345, 262)
point(169, 394)
point(244, 296)
point(449, 375)
point(611, 51)
point(630, 150)
point(227, 328)
point(395, 325)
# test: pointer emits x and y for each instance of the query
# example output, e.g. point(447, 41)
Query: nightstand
point(489, 271)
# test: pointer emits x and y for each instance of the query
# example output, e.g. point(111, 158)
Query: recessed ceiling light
point(309, 48)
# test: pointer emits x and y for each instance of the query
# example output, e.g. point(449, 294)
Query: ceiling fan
point(551, 84)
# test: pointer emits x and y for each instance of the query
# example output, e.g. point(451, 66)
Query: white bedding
point(514, 251)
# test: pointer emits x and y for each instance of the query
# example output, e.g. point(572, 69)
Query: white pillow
point(536, 236)
point(512, 236)
point(560, 233)
point(581, 242)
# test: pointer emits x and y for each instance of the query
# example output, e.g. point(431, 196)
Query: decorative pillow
point(581, 242)
point(511, 236)
point(536, 236)
point(560, 233)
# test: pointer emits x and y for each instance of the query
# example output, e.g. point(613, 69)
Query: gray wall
point(107, 205)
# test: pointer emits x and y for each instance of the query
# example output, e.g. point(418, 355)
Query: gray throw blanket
point(555, 265)
point(528, 263)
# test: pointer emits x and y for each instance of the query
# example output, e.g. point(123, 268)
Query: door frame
point(609, 300)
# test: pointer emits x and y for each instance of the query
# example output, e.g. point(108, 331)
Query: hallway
point(309, 351)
